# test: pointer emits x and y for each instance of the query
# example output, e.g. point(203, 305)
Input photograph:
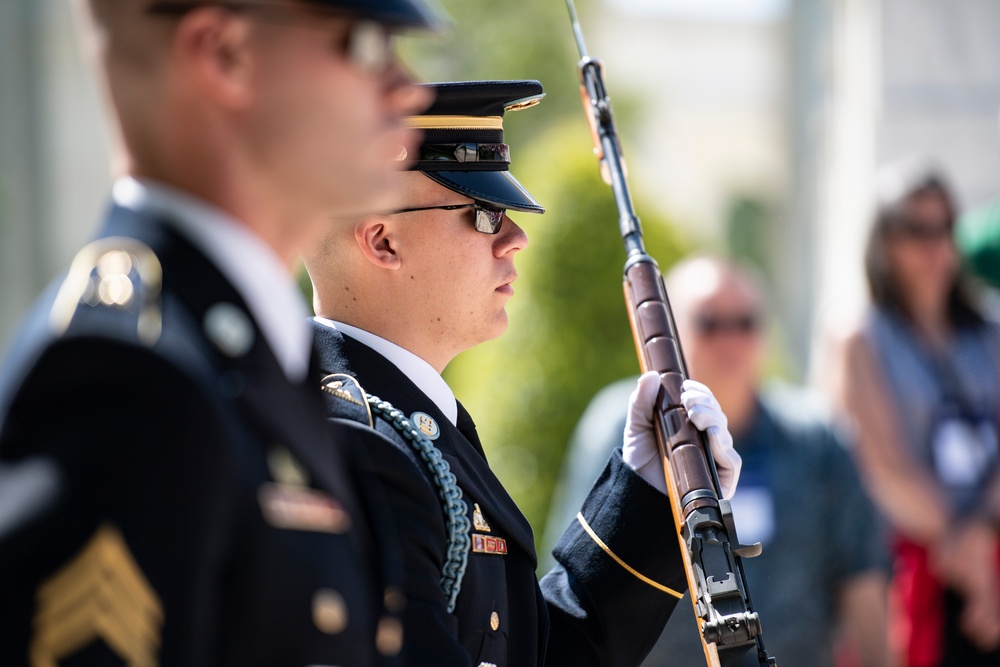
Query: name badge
point(753, 510)
point(963, 451)
point(301, 508)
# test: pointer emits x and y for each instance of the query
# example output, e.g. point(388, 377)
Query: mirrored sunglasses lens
point(712, 325)
point(489, 220)
point(369, 46)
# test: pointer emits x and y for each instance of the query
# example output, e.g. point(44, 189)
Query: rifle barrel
point(712, 555)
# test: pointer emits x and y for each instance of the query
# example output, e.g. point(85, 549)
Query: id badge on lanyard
point(963, 450)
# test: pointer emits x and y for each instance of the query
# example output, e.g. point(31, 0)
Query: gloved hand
point(639, 449)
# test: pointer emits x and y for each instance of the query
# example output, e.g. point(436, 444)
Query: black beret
point(463, 147)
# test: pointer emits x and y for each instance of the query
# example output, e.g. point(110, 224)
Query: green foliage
point(748, 230)
point(568, 333)
point(520, 39)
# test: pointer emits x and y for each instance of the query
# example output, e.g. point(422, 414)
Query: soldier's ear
point(215, 47)
point(377, 242)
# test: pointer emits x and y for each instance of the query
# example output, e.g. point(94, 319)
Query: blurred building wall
point(53, 151)
point(905, 77)
point(796, 110)
point(710, 98)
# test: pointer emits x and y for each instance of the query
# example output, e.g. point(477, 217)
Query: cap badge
point(424, 423)
point(478, 520)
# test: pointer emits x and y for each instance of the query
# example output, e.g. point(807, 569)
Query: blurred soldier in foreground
point(397, 297)
point(169, 491)
point(822, 567)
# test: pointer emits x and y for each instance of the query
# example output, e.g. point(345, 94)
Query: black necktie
point(468, 429)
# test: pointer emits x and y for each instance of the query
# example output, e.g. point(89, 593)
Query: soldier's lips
point(508, 287)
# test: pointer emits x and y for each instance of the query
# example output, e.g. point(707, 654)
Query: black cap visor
point(498, 188)
point(402, 13)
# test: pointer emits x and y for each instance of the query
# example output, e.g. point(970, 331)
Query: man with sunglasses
point(397, 296)
point(821, 578)
point(169, 490)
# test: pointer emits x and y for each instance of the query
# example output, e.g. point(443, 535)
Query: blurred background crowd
point(842, 156)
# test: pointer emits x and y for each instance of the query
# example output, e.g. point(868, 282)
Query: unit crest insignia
point(478, 520)
point(117, 273)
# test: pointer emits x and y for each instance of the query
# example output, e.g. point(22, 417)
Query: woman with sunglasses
point(398, 295)
point(921, 380)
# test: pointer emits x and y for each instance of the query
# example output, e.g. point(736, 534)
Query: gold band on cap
point(454, 122)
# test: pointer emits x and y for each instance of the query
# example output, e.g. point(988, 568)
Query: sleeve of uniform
point(405, 498)
point(112, 512)
point(619, 574)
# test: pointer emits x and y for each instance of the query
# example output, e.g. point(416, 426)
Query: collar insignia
point(424, 423)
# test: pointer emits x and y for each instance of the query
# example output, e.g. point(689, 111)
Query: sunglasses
point(922, 233)
point(715, 325)
point(488, 220)
point(367, 45)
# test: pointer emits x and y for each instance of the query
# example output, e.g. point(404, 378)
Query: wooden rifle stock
point(730, 628)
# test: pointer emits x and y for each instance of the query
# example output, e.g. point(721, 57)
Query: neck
point(208, 159)
point(394, 330)
point(738, 403)
point(930, 315)
point(280, 227)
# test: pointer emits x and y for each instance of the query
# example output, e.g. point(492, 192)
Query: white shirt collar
point(419, 371)
point(256, 272)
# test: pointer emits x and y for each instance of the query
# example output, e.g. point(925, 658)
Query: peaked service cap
point(463, 148)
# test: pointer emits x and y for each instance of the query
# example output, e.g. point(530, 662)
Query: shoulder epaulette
point(118, 273)
point(350, 395)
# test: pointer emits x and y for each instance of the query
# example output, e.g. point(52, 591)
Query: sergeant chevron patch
point(101, 594)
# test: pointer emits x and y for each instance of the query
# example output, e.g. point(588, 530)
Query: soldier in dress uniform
point(170, 493)
point(397, 296)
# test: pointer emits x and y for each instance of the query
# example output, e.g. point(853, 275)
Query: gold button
point(389, 636)
point(394, 600)
point(494, 621)
point(329, 611)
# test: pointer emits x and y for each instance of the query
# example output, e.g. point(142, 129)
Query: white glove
point(639, 448)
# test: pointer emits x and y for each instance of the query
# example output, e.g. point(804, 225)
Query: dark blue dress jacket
point(588, 610)
point(167, 496)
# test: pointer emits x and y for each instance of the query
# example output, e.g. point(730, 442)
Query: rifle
point(710, 549)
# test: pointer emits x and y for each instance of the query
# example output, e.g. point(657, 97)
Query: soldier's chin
point(499, 327)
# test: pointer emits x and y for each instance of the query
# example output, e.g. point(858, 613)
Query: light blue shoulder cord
point(455, 509)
